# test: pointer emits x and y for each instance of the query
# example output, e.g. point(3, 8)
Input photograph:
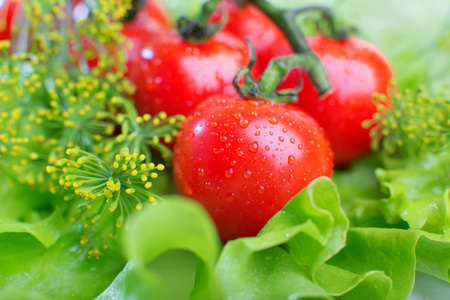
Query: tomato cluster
point(244, 159)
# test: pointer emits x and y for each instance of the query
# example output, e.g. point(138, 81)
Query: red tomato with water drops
point(244, 159)
point(174, 76)
point(356, 71)
point(8, 8)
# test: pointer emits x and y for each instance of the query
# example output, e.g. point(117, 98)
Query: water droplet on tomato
point(267, 148)
point(188, 189)
point(257, 133)
point(253, 147)
point(291, 177)
point(237, 116)
point(229, 173)
point(291, 159)
point(223, 138)
point(233, 163)
point(240, 153)
point(285, 130)
point(281, 139)
point(263, 159)
point(270, 175)
point(230, 197)
point(292, 141)
point(248, 174)
point(200, 172)
point(300, 147)
point(218, 150)
point(244, 123)
point(240, 140)
point(273, 121)
point(260, 189)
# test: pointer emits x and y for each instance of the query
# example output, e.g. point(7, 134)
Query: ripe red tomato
point(7, 11)
point(356, 71)
point(248, 22)
point(243, 160)
point(174, 76)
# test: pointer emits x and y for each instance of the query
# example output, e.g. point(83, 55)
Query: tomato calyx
point(265, 88)
point(323, 16)
point(200, 30)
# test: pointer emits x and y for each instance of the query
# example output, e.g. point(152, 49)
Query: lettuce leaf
point(174, 248)
point(56, 272)
point(331, 260)
point(418, 192)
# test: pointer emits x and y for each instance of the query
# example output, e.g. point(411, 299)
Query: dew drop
point(260, 189)
point(291, 177)
point(230, 197)
point(200, 172)
point(240, 140)
point(253, 147)
point(248, 174)
point(291, 159)
point(267, 148)
point(218, 150)
point(233, 163)
point(229, 173)
point(292, 141)
point(244, 123)
point(188, 189)
point(273, 121)
point(257, 133)
point(223, 138)
point(300, 147)
point(281, 139)
point(237, 116)
point(270, 175)
point(285, 130)
point(240, 153)
point(263, 159)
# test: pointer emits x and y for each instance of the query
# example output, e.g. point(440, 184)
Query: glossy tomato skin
point(174, 76)
point(243, 160)
point(357, 71)
point(248, 22)
point(8, 9)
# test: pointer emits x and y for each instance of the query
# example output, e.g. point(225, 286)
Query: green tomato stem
point(337, 31)
point(200, 30)
point(278, 68)
point(304, 57)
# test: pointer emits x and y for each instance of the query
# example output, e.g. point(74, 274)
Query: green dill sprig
point(80, 113)
point(108, 193)
point(140, 134)
point(416, 123)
